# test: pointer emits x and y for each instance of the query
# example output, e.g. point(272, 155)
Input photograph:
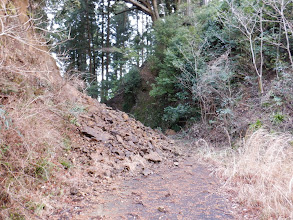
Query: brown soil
point(129, 171)
point(177, 187)
point(166, 191)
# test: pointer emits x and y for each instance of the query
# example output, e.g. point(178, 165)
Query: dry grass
point(35, 105)
point(34, 125)
point(260, 171)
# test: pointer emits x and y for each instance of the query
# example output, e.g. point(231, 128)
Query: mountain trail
point(124, 170)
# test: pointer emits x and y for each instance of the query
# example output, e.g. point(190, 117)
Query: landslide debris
point(125, 145)
point(108, 146)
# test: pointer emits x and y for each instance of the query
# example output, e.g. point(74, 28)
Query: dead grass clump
point(261, 171)
point(34, 132)
point(38, 115)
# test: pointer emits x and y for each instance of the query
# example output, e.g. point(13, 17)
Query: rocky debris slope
point(115, 143)
point(107, 146)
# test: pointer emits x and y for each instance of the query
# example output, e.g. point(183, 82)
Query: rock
point(131, 144)
point(170, 132)
point(118, 152)
point(96, 156)
point(93, 109)
point(124, 134)
point(147, 172)
point(107, 173)
point(150, 146)
point(88, 131)
point(134, 139)
point(153, 157)
point(91, 123)
point(153, 141)
point(128, 154)
point(95, 134)
point(144, 151)
point(74, 191)
point(171, 141)
point(109, 120)
point(164, 148)
point(93, 170)
point(176, 163)
point(119, 139)
point(97, 118)
point(162, 209)
point(125, 116)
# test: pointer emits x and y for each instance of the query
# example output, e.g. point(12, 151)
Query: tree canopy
point(200, 51)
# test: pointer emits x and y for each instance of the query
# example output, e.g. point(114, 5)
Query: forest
point(201, 59)
point(103, 101)
point(216, 71)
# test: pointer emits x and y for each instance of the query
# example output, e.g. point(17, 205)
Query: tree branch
point(126, 10)
point(141, 6)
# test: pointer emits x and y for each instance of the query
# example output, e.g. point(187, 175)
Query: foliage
point(94, 90)
point(131, 80)
point(210, 61)
point(282, 90)
point(43, 169)
point(278, 118)
point(67, 144)
point(194, 62)
point(174, 115)
point(257, 125)
point(202, 58)
point(130, 84)
point(65, 163)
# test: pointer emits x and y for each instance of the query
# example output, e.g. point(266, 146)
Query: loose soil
point(124, 170)
point(184, 189)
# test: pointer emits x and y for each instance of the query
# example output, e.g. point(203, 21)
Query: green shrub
point(16, 216)
point(278, 118)
point(94, 90)
point(255, 126)
point(176, 116)
point(67, 144)
point(65, 163)
point(131, 81)
point(130, 86)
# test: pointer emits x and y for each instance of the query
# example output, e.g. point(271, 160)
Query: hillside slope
point(53, 137)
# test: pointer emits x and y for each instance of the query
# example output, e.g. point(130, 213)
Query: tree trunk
point(188, 8)
point(102, 57)
point(87, 20)
point(155, 10)
point(108, 54)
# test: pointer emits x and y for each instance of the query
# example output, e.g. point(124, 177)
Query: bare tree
point(286, 26)
point(249, 25)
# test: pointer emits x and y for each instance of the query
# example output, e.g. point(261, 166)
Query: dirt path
point(186, 191)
